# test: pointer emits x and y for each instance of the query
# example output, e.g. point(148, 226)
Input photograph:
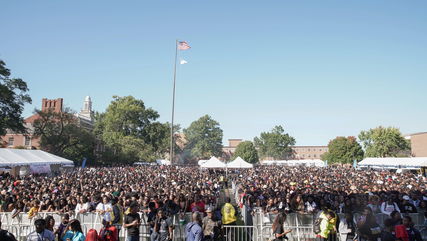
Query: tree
point(343, 150)
point(204, 138)
point(60, 134)
point(275, 144)
point(13, 96)
point(384, 142)
point(247, 151)
point(130, 131)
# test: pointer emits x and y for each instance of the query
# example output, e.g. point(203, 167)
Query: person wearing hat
point(407, 206)
point(211, 226)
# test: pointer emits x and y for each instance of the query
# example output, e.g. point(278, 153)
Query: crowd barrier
point(259, 229)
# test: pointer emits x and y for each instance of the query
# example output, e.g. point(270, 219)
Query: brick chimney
point(53, 105)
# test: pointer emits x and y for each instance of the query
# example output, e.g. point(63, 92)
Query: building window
point(309, 149)
point(27, 141)
point(10, 142)
point(315, 155)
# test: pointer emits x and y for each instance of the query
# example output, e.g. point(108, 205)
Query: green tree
point(384, 142)
point(247, 151)
point(13, 96)
point(343, 150)
point(129, 131)
point(275, 144)
point(204, 138)
point(60, 134)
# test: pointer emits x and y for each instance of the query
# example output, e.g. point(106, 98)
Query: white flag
point(182, 61)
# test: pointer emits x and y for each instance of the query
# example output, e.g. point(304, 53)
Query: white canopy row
point(306, 162)
point(17, 157)
point(394, 162)
point(215, 163)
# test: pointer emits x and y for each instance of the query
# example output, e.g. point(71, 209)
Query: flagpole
point(173, 100)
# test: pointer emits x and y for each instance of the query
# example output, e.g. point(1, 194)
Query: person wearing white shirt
point(389, 206)
point(105, 208)
point(82, 206)
point(41, 233)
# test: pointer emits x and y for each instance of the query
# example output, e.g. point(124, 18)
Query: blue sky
point(319, 68)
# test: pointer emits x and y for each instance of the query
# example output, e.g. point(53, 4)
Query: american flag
point(182, 45)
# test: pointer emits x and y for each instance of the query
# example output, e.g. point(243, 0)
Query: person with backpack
point(368, 228)
point(194, 230)
point(5, 235)
point(389, 206)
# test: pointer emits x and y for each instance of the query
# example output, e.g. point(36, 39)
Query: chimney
point(52, 105)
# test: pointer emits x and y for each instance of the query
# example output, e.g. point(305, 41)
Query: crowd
point(121, 194)
point(327, 192)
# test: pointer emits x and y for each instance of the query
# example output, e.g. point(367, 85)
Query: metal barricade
point(239, 233)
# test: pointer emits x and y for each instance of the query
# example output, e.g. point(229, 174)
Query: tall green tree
point(384, 142)
point(275, 144)
point(204, 138)
point(13, 96)
point(129, 131)
point(247, 151)
point(343, 150)
point(61, 135)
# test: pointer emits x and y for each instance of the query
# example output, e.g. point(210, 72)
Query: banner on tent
point(39, 168)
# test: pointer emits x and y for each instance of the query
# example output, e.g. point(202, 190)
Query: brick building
point(28, 141)
point(418, 144)
point(300, 152)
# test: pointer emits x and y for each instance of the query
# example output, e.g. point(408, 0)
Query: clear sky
point(319, 68)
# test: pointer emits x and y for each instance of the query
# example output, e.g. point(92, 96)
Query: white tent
point(18, 157)
point(213, 163)
point(200, 162)
point(163, 162)
point(394, 162)
point(239, 163)
point(306, 162)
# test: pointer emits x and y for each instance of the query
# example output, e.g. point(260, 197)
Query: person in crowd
point(117, 215)
point(407, 231)
point(132, 222)
point(396, 218)
point(279, 232)
point(327, 225)
point(163, 227)
point(108, 232)
point(41, 233)
point(211, 226)
point(50, 223)
point(5, 235)
point(228, 213)
point(388, 231)
point(104, 208)
point(74, 232)
point(347, 228)
point(389, 206)
point(34, 209)
point(368, 228)
point(82, 206)
point(92, 235)
point(193, 229)
point(407, 206)
point(62, 228)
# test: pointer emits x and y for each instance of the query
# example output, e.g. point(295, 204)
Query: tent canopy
point(239, 163)
point(394, 162)
point(306, 162)
point(18, 157)
point(213, 163)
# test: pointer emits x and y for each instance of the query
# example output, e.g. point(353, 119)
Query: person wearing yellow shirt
point(34, 210)
point(327, 225)
point(228, 216)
